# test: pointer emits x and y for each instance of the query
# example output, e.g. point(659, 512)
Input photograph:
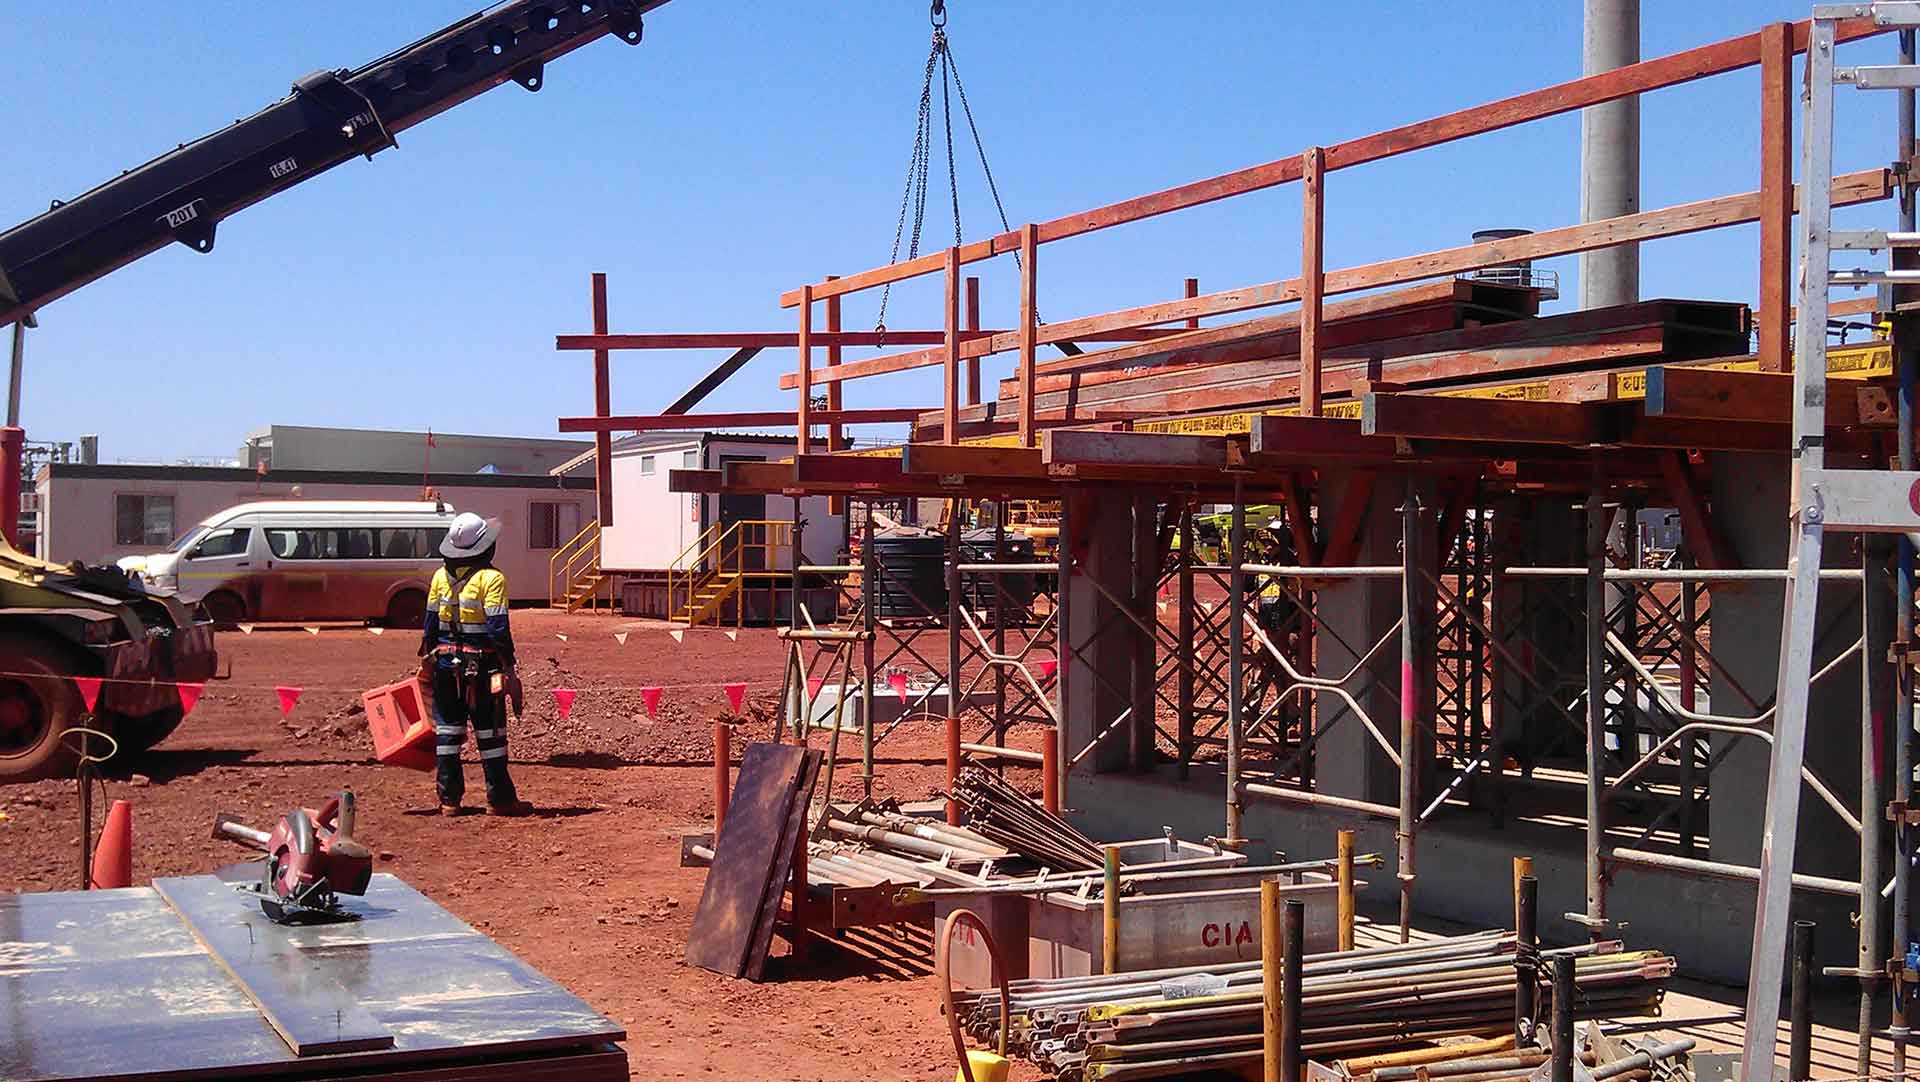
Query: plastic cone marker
point(898, 682)
point(89, 690)
point(189, 695)
point(113, 857)
point(563, 698)
point(678, 635)
point(814, 683)
point(245, 629)
point(559, 636)
point(620, 637)
point(733, 636)
point(736, 694)
point(651, 697)
point(289, 698)
point(376, 631)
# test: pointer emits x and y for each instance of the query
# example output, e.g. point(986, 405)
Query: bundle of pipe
point(919, 839)
point(1132, 1026)
point(1004, 815)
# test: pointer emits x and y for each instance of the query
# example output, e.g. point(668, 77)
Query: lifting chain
point(939, 56)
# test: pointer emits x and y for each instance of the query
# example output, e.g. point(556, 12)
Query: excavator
point(128, 645)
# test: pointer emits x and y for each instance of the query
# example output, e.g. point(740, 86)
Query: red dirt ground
point(590, 891)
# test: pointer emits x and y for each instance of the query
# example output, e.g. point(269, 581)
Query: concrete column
point(1348, 761)
point(1099, 640)
point(1610, 153)
point(1750, 502)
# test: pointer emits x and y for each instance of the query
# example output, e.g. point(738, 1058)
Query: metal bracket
point(532, 75)
point(191, 225)
point(627, 23)
point(1602, 924)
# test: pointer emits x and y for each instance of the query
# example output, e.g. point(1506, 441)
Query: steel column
point(1236, 661)
point(1416, 637)
point(1597, 523)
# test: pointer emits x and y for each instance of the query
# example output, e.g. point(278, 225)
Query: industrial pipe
point(1343, 874)
point(1293, 923)
point(1562, 1019)
point(1110, 913)
point(1271, 1035)
point(1526, 973)
point(722, 773)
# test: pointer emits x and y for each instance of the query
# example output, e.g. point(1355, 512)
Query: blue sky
point(744, 149)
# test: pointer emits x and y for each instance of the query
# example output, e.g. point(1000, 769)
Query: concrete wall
point(77, 509)
point(1465, 869)
point(653, 526)
point(302, 447)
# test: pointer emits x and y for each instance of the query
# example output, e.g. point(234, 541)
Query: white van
point(306, 560)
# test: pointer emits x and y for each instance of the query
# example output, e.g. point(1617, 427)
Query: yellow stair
point(713, 570)
point(574, 578)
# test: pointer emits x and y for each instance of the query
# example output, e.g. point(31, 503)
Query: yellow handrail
point(561, 564)
point(766, 536)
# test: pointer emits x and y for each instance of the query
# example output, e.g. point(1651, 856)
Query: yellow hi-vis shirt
point(478, 609)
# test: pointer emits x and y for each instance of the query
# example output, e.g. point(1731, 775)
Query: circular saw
point(311, 860)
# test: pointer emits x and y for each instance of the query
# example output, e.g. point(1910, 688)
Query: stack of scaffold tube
point(1165, 1022)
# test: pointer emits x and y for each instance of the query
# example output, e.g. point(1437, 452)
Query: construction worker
point(466, 651)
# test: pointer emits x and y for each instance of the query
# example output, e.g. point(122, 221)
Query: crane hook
point(938, 14)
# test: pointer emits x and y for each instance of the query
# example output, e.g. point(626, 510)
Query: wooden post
point(836, 434)
point(1522, 868)
point(1344, 874)
point(1270, 976)
point(1312, 275)
point(973, 324)
point(1029, 327)
point(602, 406)
point(950, 382)
point(804, 417)
point(722, 774)
point(1110, 914)
point(1776, 193)
point(1192, 291)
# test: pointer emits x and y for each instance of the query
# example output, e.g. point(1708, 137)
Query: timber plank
point(963, 460)
point(1507, 420)
point(733, 922)
point(1139, 449)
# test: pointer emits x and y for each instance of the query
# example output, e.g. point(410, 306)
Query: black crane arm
point(329, 117)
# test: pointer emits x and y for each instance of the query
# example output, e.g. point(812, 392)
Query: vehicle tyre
point(225, 609)
point(408, 608)
point(135, 735)
point(37, 707)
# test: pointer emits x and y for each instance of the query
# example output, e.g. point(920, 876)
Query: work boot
point(449, 810)
point(513, 809)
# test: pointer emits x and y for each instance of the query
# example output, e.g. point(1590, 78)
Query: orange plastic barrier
point(401, 725)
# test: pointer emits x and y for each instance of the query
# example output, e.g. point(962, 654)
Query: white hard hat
point(469, 535)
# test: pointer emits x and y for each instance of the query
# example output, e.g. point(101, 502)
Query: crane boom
point(329, 117)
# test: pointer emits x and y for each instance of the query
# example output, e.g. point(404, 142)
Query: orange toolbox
point(401, 725)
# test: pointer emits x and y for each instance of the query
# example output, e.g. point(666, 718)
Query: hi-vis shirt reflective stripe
point(479, 610)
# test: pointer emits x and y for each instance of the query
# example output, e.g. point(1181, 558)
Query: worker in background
point(466, 652)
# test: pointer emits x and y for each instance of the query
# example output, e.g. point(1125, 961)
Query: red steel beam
point(785, 339)
point(1671, 70)
point(1313, 279)
point(1776, 193)
point(836, 435)
point(602, 405)
point(803, 417)
point(973, 325)
point(1029, 328)
point(950, 384)
point(662, 422)
point(1864, 186)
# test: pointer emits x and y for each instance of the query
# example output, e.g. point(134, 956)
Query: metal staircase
point(715, 569)
point(574, 577)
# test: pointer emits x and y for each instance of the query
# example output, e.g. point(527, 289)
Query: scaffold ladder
point(1820, 499)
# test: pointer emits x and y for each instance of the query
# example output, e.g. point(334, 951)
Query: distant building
point(305, 447)
point(97, 513)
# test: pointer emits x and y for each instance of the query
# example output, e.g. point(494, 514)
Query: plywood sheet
point(734, 920)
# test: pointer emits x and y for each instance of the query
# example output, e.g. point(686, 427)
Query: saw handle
point(337, 814)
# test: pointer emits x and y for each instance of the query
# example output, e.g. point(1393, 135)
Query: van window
point(228, 542)
point(408, 544)
point(305, 544)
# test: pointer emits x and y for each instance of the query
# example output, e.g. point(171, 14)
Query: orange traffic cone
point(113, 857)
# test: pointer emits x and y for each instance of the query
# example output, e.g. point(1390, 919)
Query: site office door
point(742, 508)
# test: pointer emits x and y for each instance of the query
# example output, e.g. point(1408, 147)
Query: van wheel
point(37, 707)
point(407, 609)
point(225, 609)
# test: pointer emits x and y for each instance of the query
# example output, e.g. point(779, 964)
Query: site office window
point(551, 523)
point(143, 518)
